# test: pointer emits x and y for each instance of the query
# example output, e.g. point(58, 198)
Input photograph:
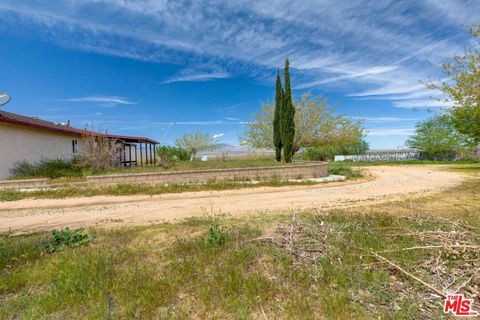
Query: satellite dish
point(4, 98)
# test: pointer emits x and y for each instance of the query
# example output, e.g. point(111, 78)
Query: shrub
point(24, 169)
point(344, 171)
point(329, 151)
point(216, 236)
point(46, 169)
point(64, 238)
point(319, 153)
point(168, 155)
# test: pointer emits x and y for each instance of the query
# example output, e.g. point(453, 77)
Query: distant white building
point(32, 139)
point(382, 155)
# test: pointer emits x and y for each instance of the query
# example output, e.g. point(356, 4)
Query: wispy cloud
point(105, 101)
point(386, 119)
point(390, 89)
point(404, 95)
point(197, 77)
point(368, 48)
point(348, 75)
point(230, 108)
point(422, 103)
point(381, 132)
point(171, 124)
point(198, 123)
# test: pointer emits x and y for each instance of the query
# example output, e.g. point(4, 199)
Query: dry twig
point(263, 312)
point(433, 247)
point(467, 281)
point(409, 274)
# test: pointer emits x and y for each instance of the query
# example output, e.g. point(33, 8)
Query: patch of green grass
point(472, 169)
point(169, 271)
point(124, 275)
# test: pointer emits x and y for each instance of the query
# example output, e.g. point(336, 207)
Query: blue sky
point(161, 68)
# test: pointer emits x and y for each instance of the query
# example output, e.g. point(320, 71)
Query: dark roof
point(34, 122)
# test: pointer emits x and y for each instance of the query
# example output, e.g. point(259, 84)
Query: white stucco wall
point(18, 143)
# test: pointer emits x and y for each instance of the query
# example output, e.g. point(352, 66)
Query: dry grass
point(389, 266)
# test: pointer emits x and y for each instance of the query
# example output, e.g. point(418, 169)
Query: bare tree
point(99, 151)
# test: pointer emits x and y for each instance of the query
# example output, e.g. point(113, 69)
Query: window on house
point(74, 146)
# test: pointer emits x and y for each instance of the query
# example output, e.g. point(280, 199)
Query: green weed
point(64, 238)
point(216, 236)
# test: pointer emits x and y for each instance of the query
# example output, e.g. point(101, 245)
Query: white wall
point(18, 143)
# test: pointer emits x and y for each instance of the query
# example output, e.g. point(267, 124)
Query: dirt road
point(386, 184)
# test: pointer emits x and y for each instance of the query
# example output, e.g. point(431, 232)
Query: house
point(32, 139)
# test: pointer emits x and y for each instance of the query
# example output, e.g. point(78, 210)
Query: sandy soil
point(384, 184)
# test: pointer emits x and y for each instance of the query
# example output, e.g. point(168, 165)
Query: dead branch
point(467, 281)
point(438, 232)
point(263, 312)
point(99, 151)
point(459, 224)
point(433, 247)
point(409, 274)
point(290, 242)
point(266, 238)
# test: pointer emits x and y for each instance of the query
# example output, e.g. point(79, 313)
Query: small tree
point(168, 155)
point(277, 130)
point(288, 119)
point(439, 139)
point(194, 142)
point(462, 86)
point(98, 151)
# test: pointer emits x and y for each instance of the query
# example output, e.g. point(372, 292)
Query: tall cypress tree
point(277, 132)
point(288, 118)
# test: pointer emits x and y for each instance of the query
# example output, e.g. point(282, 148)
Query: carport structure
point(138, 151)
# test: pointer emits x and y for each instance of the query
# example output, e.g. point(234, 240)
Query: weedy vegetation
point(216, 236)
point(344, 170)
point(359, 263)
point(64, 238)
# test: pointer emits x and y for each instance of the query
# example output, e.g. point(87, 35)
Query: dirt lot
point(384, 184)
